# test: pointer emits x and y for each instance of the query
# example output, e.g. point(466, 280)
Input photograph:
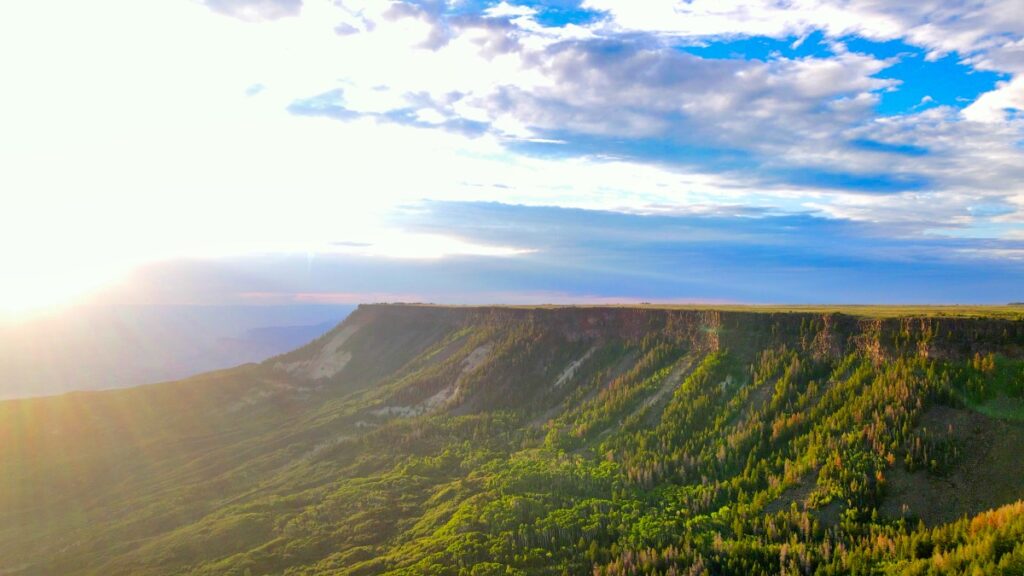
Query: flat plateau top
point(1005, 311)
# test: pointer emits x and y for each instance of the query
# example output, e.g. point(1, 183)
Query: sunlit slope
point(417, 439)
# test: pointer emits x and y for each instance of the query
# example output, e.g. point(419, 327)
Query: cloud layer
point(569, 255)
point(629, 85)
point(891, 130)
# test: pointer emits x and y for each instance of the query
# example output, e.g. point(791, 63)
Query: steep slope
point(418, 439)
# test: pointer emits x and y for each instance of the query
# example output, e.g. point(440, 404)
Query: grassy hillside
point(545, 440)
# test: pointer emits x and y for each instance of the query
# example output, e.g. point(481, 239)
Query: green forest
point(510, 441)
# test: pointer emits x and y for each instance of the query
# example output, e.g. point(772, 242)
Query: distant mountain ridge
point(415, 439)
point(96, 348)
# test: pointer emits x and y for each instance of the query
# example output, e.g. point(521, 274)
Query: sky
point(471, 151)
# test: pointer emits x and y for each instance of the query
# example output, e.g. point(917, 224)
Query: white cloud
point(994, 106)
point(506, 9)
point(988, 34)
point(941, 26)
point(539, 82)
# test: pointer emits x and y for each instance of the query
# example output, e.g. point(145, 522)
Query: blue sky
point(484, 151)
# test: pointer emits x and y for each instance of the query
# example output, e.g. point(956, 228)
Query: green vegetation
point(532, 440)
point(1011, 311)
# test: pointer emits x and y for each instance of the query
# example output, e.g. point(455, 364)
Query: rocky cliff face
point(830, 335)
point(470, 358)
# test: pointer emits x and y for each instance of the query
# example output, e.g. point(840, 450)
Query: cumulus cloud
point(995, 106)
point(631, 89)
point(532, 86)
point(799, 125)
point(963, 26)
point(988, 34)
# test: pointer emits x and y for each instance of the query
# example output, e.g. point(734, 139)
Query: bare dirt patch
point(328, 361)
point(656, 403)
point(991, 473)
point(573, 366)
point(441, 398)
point(475, 359)
point(799, 493)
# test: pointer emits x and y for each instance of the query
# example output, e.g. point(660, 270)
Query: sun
point(28, 292)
